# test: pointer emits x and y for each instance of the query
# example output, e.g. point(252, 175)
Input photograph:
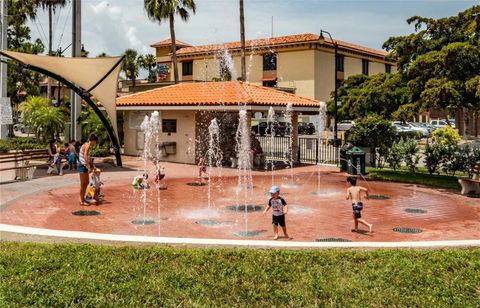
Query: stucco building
point(301, 64)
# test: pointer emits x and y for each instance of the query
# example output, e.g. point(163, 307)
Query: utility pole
point(242, 42)
point(5, 107)
point(75, 101)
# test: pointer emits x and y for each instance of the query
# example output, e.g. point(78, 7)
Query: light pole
point(335, 46)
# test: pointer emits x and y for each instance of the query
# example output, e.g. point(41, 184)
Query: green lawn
point(420, 178)
point(85, 275)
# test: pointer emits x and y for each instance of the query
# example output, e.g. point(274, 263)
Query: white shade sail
point(98, 76)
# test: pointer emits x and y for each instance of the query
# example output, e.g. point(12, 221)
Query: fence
point(310, 150)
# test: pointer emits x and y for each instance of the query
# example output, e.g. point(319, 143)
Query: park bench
point(19, 164)
point(471, 186)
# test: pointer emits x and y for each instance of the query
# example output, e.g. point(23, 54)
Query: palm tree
point(161, 10)
point(242, 42)
point(149, 62)
point(130, 65)
point(102, 55)
point(42, 118)
point(51, 6)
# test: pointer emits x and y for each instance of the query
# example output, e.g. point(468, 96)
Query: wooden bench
point(471, 186)
point(20, 163)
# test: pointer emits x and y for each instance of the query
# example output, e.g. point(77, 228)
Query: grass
point(420, 178)
point(86, 275)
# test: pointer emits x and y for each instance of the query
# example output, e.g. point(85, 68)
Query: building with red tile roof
point(302, 64)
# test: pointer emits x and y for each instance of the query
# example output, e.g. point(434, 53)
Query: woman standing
point(85, 166)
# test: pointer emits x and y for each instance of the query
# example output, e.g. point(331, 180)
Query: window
point(187, 68)
point(340, 60)
point(270, 83)
point(388, 68)
point(169, 126)
point(365, 67)
point(270, 62)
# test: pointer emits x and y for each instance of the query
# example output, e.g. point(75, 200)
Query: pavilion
point(186, 110)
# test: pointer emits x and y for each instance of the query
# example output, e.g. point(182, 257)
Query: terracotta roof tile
point(282, 40)
point(168, 42)
point(214, 93)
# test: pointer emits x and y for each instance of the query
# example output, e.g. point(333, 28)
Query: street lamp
point(321, 39)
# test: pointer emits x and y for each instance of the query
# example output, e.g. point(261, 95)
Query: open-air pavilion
point(186, 110)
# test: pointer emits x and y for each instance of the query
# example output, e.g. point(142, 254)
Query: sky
point(111, 26)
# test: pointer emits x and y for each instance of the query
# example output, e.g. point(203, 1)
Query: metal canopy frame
point(84, 94)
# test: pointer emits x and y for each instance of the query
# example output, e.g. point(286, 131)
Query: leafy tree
point(361, 95)
point(131, 65)
point(46, 121)
point(405, 113)
point(149, 62)
point(162, 10)
point(441, 61)
point(372, 131)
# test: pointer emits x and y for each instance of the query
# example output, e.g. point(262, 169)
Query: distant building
point(300, 64)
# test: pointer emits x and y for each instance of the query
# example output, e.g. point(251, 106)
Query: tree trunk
point(174, 47)
point(50, 34)
point(242, 40)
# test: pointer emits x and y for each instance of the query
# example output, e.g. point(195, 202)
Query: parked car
point(438, 123)
point(279, 128)
point(16, 127)
point(343, 125)
point(306, 128)
point(410, 127)
point(416, 127)
point(25, 129)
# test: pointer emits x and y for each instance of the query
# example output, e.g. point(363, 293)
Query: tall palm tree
point(161, 10)
point(130, 65)
point(242, 42)
point(149, 62)
point(51, 6)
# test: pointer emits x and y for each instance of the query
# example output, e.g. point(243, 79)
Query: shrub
point(433, 156)
point(395, 156)
point(473, 159)
point(97, 151)
point(409, 135)
point(4, 146)
point(410, 151)
point(446, 135)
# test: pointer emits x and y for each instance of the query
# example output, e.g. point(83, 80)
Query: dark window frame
point(340, 63)
point(388, 68)
point(169, 126)
point(365, 64)
point(187, 68)
point(269, 83)
point(270, 61)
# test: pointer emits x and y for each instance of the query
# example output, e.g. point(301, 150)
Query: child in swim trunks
point(159, 176)
point(202, 169)
point(279, 210)
point(354, 193)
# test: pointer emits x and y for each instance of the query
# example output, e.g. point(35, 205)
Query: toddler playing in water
point(96, 183)
point(202, 169)
point(140, 181)
point(159, 176)
point(279, 210)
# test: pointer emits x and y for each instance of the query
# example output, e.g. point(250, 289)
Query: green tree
point(46, 121)
point(149, 62)
point(162, 10)
point(441, 61)
point(362, 95)
point(373, 131)
point(131, 65)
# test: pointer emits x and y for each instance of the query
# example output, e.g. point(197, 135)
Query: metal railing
point(310, 150)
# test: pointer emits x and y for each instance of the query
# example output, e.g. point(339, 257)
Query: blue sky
point(112, 26)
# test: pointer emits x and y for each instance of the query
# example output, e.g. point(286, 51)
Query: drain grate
point(415, 211)
point(241, 208)
point(208, 222)
point(250, 233)
point(473, 195)
point(85, 213)
point(145, 221)
point(196, 184)
point(407, 230)
point(378, 197)
point(332, 239)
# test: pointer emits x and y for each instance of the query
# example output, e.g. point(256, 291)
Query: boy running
point(354, 193)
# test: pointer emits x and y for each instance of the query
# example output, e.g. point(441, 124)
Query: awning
point(269, 79)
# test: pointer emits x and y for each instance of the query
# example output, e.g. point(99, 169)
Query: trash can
point(343, 156)
point(356, 161)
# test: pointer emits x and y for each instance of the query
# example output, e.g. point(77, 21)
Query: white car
point(343, 125)
point(437, 123)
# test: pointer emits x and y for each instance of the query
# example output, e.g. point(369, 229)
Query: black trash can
point(343, 156)
point(356, 161)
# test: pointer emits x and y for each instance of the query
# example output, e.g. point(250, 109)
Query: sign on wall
point(5, 111)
